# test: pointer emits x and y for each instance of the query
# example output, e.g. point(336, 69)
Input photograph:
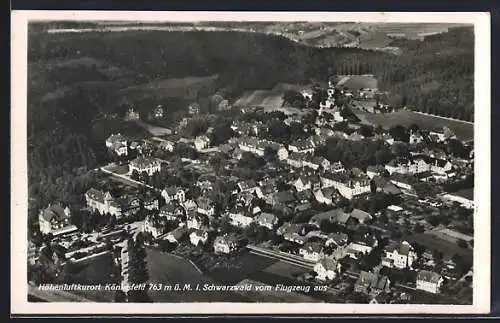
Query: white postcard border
point(19, 192)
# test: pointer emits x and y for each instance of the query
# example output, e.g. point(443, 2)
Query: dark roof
point(402, 248)
point(55, 211)
point(284, 197)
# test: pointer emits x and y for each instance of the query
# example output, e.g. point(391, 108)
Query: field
point(463, 130)
point(154, 130)
point(269, 99)
point(356, 82)
point(167, 269)
point(186, 87)
point(284, 269)
point(448, 248)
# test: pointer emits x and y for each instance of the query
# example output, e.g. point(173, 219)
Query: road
point(282, 256)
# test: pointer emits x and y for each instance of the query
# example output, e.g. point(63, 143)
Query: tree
point(399, 133)
point(419, 228)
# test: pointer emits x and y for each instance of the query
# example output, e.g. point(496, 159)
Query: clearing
point(463, 130)
point(186, 87)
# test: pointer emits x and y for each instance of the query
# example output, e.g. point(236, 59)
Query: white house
point(145, 164)
point(311, 251)
point(205, 206)
point(429, 281)
point(267, 220)
point(154, 225)
point(225, 244)
point(327, 269)
point(282, 153)
point(240, 218)
point(201, 142)
point(170, 194)
point(399, 255)
point(55, 220)
point(302, 147)
point(347, 186)
point(118, 143)
point(198, 237)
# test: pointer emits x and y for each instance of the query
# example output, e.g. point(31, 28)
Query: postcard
point(250, 162)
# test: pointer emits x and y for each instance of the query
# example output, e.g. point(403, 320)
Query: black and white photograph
point(250, 162)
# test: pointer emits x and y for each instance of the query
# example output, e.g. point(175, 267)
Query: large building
point(145, 164)
point(348, 186)
point(55, 220)
point(104, 203)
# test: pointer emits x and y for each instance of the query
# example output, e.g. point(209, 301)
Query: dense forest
point(67, 100)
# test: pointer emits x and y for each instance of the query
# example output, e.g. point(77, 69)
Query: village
point(377, 215)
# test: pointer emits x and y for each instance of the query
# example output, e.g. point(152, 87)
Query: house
point(347, 185)
point(292, 232)
point(315, 162)
point(336, 239)
point(198, 237)
point(311, 251)
point(282, 153)
point(327, 196)
point(403, 181)
point(223, 105)
point(205, 206)
point(190, 206)
point(194, 108)
point(327, 268)
point(151, 203)
point(267, 220)
point(225, 244)
point(118, 143)
point(384, 184)
point(240, 217)
point(166, 145)
point(201, 142)
point(196, 221)
point(295, 160)
point(104, 203)
point(258, 146)
point(176, 235)
point(418, 166)
point(55, 220)
point(247, 186)
point(301, 147)
point(336, 167)
point(172, 212)
point(170, 194)
point(399, 255)
point(145, 164)
point(362, 245)
point(429, 281)
point(303, 183)
point(416, 138)
point(154, 224)
point(158, 112)
point(132, 115)
point(372, 284)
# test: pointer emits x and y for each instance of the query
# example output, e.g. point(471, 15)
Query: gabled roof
point(428, 276)
point(143, 162)
point(401, 247)
point(266, 218)
point(54, 212)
